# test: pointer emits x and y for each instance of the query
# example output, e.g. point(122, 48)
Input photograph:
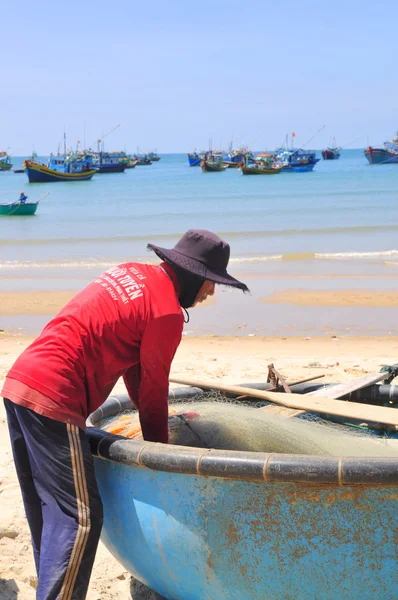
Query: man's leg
point(30, 497)
point(63, 474)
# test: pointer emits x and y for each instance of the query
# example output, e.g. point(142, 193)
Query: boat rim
point(259, 467)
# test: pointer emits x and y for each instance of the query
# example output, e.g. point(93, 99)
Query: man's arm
point(132, 381)
point(160, 341)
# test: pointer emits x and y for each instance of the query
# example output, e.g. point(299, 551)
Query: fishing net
point(214, 421)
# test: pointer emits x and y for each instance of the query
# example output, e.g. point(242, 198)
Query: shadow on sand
point(8, 589)
point(139, 591)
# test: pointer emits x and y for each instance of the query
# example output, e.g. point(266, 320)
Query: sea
point(335, 228)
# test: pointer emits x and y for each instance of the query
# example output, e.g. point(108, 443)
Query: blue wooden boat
point(381, 156)
point(237, 157)
point(296, 160)
point(385, 155)
point(60, 168)
point(110, 162)
point(196, 523)
point(195, 159)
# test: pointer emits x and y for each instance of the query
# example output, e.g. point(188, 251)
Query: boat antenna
point(101, 140)
point(64, 143)
point(314, 136)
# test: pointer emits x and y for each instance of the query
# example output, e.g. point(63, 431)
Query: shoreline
point(274, 307)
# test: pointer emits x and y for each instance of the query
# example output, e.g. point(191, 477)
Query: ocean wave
point(54, 264)
point(256, 259)
point(238, 260)
point(354, 255)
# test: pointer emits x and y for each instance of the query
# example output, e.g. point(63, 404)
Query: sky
point(178, 75)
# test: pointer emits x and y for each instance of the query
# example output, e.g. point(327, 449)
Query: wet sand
point(352, 298)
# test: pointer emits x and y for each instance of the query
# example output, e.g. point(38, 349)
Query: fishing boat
point(331, 152)
point(142, 160)
point(61, 168)
point(153, 156)
point(131, 163)
point(18, 210)
point(237, 156)
point(200, 523)
point(195, 159)
point(110, 162)
point(258, 169)
point(386, 155)
point(212, 164)
point(19, 170)
point(5, 161)
point(262, 164)
point(296, 160)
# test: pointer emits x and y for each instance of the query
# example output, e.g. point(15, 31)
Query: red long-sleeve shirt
point(126, 323)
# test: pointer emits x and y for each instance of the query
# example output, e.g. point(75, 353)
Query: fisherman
point(22, 198)
point(128, 323)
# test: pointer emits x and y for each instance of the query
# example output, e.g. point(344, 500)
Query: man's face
point(206, 290)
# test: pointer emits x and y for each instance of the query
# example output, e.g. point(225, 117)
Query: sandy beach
point(228, 359)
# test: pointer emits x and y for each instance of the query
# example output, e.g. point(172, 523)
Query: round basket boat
point(196, 524)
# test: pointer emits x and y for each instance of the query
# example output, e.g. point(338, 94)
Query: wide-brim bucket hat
point(202, 253)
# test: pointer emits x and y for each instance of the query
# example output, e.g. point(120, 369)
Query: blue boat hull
point(249, 526)
point(379, 156)
point(194, 161)
point(297, 169)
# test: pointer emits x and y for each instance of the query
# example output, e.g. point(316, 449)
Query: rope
point(185, 421)
point(17, 205)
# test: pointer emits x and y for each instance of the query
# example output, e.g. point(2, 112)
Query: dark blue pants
point(62, 504)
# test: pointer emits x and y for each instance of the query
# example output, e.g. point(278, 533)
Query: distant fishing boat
point(20, 209)
point(131, 163)
point(5, 161)
point(235, 157)
point(212, 164)
point(388, 154)
point(195, 159)
point(60, 168)
point(142, 160)
point(254, 170)
point(263, 164)
point(260, 170)
point(109, 162)
point(331, 152)
point(296, 160)
point(153, 156)
point(19, 170)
